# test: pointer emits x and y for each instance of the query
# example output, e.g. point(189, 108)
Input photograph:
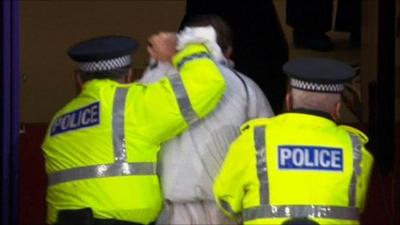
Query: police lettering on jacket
point(310, 158)
point(81, 118)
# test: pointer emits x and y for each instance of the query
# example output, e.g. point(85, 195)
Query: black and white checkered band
point(309, 86)
point(105, 65)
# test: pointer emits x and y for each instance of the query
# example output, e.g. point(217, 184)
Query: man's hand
point(162, 46)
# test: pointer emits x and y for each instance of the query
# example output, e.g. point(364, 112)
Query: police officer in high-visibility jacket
point(299, 164)
point(101, 148)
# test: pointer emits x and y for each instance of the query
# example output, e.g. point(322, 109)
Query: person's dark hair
point(116, 74)
point(224, 32)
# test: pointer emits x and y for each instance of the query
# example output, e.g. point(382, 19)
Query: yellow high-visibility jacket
point(295, 165)
point(101, 148)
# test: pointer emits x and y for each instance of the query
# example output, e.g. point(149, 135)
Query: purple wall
point(9, 111)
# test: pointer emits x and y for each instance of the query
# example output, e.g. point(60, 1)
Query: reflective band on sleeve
point(191, 57)
point(300, 211)
point(99, 171)
point(357, 157)
point(259, 140)
point(118, 125)
point(183, 100)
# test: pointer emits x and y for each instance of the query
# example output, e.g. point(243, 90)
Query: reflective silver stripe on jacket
point(267, 211)
point(191, 57)
point(120, 167)
point(180, 92)
point(357, 157)
point(118, 125)
point(260, 145)
point(183, 99)
point(99, 171)
point(300, 211)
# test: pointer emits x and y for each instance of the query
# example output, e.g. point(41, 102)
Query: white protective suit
point(189, 162)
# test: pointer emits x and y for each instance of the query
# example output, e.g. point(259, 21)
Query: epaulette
point(360, 134)
point(254, 123)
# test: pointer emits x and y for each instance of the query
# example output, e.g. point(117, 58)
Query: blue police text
point(81, 118)
point(310, 158)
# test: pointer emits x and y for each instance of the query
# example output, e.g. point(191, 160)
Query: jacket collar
point(313, 112)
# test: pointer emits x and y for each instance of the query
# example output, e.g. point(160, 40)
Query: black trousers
point(348, 16)
point(315, 16)
point(115, 222)
point(84, 216)
point(106, 222)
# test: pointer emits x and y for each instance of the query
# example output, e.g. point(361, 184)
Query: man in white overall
point(189, 163)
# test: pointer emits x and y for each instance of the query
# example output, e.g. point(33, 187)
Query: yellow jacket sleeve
point(167, 107)
point(201, 77)
point(237, 175)
point(363, 183)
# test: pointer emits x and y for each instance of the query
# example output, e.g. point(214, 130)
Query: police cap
point(102, 54)
point(318, 74)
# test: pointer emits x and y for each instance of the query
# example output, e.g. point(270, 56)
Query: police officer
point(101, 148)
point(299, 164)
